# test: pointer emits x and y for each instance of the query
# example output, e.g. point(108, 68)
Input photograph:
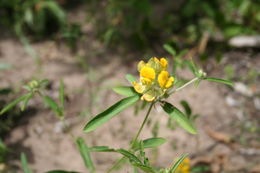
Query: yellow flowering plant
point(154, 86)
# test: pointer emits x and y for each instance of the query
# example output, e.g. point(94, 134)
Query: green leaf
point(169, 49)
point(101, 149)
point(125, 91)
point(26, 100)
point(44, 83)
point(25, 164)
point(179, 161)
point(227, 82)
point(153, 142)
point(178, 116)
point(53, 105)
point(13, 103)
point(186, 106)
point(130, 78)
point(61, 171)
point(103, 117)
point(129, 155)
point(144, 168)
point(85, 154)
point(61, 93)
point(56, 10)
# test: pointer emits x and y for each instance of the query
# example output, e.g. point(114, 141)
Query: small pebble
point(231, 101)
point(243, 89)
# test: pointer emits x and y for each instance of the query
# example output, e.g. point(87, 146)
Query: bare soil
point(89, 74)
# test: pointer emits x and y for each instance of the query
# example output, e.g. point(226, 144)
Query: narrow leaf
point(103, 117)
point(179, 161)
point(129, 155)
point(130, 78)
point(101, 149)
point(53, 105)
point(61, 93)
point(144, 168)
point(169, 49)
point(13, 103)
point(61, 171)
point(25, 167)
point(85, 154)
point(153, 142)
point(125, 91)
point(178, 116)
point(26, 100)
point(186, 106)
point(227, 82)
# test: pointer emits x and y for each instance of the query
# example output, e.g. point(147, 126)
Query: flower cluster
point(155, 80)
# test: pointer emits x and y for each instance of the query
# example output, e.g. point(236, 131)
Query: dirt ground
point(90, 73)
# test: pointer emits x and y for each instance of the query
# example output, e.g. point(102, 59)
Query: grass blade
point(25, 167)
point(85, 154)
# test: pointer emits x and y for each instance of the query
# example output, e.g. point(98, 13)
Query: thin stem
point(185, 85)
point(142, 126)
point(135, 138)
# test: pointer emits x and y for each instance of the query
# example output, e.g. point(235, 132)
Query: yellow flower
point(154, 79)
point(148, 73)
point(145, 81)
point(164, 79)
point(164, 63)
point(184, 167)
point(149, 96)
point(138, 88)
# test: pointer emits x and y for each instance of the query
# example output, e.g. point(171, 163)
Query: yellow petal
point(138, 88)
point(163, 78)
point(164, 63)
point(156, 60)
point(147, 72)
point(148, 97)
point(140, 65)
point(146, 81)
point(169, 82)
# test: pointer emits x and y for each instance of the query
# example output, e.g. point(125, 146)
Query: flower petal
point(163, 78)
point(147, 72)
point(138, 88)
point(164, 63)
point(169, 82)
point(149, 96)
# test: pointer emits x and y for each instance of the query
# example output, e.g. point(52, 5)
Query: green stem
point(135, 138)
point(185, 85)
point(142, 126)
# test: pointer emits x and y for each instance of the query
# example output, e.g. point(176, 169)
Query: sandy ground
point(40, 136)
